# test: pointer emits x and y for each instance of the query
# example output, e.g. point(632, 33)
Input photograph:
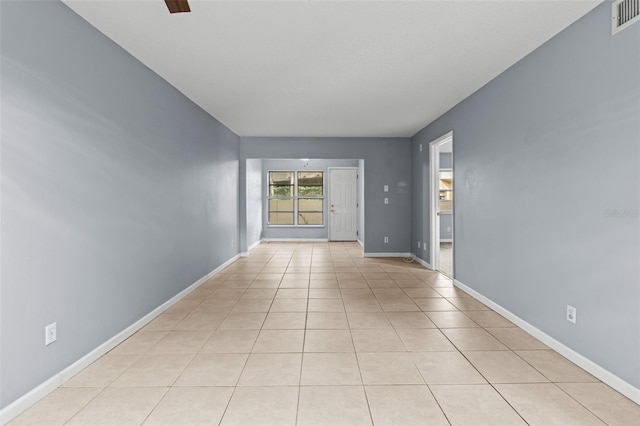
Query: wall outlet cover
point(571, 314)
point(50, 334)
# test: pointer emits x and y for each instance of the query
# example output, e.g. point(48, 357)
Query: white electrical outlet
point(386, 240)
point(418, 244)
point(50, 334)
point(386, 188)
point(386, 200)
point(424, 245)
point(571, 314)
point(448, 229)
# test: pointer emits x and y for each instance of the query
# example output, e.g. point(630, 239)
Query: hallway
point(315, 334)
point(446, 259)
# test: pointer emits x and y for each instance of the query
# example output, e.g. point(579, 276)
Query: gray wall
point(254, 188)
point(387, 161)
point(446, 160)
point(446, 226)
point(546, 153)
point(117, 191)
point(297, 164)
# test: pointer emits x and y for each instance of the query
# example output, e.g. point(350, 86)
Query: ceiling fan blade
point(178, 6)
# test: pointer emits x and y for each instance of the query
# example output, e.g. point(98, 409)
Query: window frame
point(295, 198)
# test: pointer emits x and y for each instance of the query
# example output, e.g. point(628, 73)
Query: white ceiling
point(339, 68)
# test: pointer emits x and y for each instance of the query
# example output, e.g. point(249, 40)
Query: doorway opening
point(442, 204)
point(288, 199)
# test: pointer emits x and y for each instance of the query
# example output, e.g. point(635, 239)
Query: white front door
point(343, 204)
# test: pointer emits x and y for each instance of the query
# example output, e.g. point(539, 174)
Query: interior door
point(343, 204)
point(441, 205)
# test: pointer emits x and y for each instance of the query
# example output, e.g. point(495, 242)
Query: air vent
point(625, 13)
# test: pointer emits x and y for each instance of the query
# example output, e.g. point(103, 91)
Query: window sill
point(295, 226)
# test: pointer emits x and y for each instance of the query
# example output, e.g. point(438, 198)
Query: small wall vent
point(624, 13)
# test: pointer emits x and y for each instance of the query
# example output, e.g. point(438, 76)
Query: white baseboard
point(387, 255)
point(18, 406)
point(361, 243)
point(599, 372)
point(251, 247)
point(423, 262)
point(295, 240)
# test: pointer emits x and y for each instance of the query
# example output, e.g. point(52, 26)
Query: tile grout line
point(556, 383)
point(224, 412)
point(304, 341)
point(355, 354)
point(355, 264)
point(84, 406)
point(487, 380)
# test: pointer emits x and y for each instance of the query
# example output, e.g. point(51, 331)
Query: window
point(296, 198)
point(310, 198)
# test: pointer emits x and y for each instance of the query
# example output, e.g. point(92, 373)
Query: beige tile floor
point(314, 334)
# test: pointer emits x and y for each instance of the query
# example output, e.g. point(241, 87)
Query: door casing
point(434, 190)
point(352, 207)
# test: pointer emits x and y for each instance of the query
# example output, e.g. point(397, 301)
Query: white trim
point(446, 240)
point(614, 18)
point(599, 372)
point(434, 191)
point(21, 404)
point(251, 247)
point(423, 262)
point(295, 240)
point(387, 255)
point(434, 220)
point(294, 198)
point(361, 243)
point(296, 226)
